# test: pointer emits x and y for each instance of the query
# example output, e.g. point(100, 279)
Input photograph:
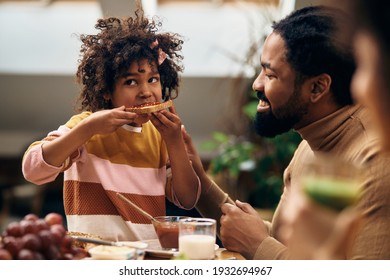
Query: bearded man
point(304, 85)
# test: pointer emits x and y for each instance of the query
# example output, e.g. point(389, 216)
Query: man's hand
point(242, 229)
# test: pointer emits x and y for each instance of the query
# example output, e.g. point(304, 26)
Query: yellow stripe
point(145, 150)
point(77, 118)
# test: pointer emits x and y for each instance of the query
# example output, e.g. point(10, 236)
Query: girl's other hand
point(108, 121)
point(167, 123)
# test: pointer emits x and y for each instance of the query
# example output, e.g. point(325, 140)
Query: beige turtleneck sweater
point(346, 134)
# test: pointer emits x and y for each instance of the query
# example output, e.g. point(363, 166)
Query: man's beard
point(281, 120)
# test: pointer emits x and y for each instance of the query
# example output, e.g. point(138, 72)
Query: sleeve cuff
point(271, 249)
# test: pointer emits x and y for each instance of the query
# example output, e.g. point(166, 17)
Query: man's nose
point(258, 83)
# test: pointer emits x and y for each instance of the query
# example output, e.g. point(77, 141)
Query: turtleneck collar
point(323, 131)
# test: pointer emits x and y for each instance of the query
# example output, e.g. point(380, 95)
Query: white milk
point(197, 247)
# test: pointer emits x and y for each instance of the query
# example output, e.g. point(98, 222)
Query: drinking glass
point(167, 230)
point(197, 238)
point(332, 182)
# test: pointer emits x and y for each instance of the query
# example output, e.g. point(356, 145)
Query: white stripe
point(110, 227)
point(118, 177)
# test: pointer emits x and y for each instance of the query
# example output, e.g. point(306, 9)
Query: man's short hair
point(313, 48)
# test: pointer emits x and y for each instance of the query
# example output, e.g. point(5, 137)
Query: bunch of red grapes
point(33, 238)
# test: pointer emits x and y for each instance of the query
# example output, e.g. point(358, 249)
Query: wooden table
point(223, 254)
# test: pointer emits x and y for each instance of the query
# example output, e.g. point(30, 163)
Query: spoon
point(143, 212)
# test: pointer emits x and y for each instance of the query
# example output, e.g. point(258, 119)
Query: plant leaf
point(220, 137)
point(250, 109)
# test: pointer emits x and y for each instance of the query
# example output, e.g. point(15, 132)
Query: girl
point(106, 149)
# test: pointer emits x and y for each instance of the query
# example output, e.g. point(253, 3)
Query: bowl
point(167, 230)
point(106, 252)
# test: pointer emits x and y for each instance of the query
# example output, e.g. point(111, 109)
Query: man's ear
point(320, 86)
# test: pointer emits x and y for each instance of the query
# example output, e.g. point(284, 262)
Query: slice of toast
point(150, 108)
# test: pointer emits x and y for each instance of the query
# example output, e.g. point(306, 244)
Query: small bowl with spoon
point(166, 227)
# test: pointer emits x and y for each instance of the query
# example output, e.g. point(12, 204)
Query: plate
point(154, 249)
point(134, 244)
point(105, 252)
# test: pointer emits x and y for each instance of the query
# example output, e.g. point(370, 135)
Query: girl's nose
point(145, 91)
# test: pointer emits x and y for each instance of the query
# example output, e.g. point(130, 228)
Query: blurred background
point(38, 59)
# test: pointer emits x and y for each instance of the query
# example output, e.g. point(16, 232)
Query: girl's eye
point(153, 80)
point(130, 82)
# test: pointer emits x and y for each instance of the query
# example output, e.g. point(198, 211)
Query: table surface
point(153, 251)
point(221, 253)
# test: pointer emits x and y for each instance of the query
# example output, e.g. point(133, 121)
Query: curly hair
point(310, 35)
point(107, 55)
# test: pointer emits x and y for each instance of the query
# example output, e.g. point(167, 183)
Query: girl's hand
point(168, 124)
point(108, 121)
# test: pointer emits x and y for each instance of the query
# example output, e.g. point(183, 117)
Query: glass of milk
point(197, 238)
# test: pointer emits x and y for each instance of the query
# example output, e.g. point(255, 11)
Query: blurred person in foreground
point(371, 42)
point(304, 85)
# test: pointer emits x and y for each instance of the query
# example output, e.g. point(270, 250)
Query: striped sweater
point(131, 161)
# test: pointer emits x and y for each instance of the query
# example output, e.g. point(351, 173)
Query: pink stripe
point(118, 177)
